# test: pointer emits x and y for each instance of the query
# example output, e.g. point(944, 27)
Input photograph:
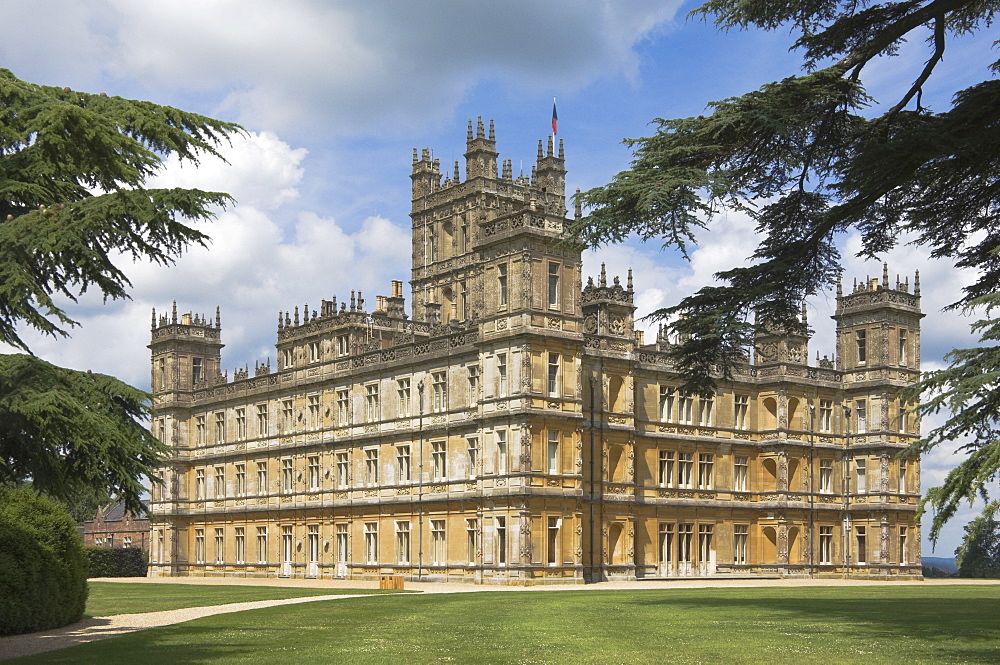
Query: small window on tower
point(502, 285)
point(553, 285)
point(195, 370)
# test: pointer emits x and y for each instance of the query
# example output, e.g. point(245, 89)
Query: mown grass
point(871, 625)
point(108, 598)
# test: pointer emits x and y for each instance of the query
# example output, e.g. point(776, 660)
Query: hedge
point(43, 566)
point(121, 562)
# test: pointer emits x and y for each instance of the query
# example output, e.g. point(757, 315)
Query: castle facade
point(516, 429)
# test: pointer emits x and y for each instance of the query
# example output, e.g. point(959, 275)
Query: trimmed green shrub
point(121, 562)
point(43, 566)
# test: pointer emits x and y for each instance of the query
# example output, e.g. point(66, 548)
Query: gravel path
point(99, 628)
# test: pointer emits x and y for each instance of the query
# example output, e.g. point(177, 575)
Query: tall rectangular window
point(862, 346)
point(902, 346)
point(439, 391)
point(261, 477)
point(741, 409)
point(199, 484)
point(241, 479)
point(341, 543)
point(501, 437)
point(472, 444)
point(343, 470)
point(666, 468)
point(826, 476)
point(439, 459)
point(861, 407)
point(439, 552)
point(826, 545)
point(371, 466)
point(861, 474)
point(705, 542)
point(666, 543)
point(220, 546)
point(553, 285)
point(343, 345)
point(685, 542)
point(501, 374)
point(826, 415)
point(741, 472)
point(502, 285)
point(220, 427)
point(315, 418)
point(686, 409)
point(862, 544)
point(200, 430)
point(403, 464)
point(371, 542)
point(740, 536)
point(196, 375)
point(666, 404)
point(241, 545)
point(706, 406)
point(262, 544)
point(371, 402)
point(343, 407)
point(262, 420)
point(241, 424)
point(219, 486)
point(473, 385)
point(705, 462)
point(287, 415)
point(685, 470)
point(288, 358)
point(471, 527)
point(287, 475)
point(403, 391)
point(903, 558)
point(403, 542)
point(199, 546)
point(314, 351)
point(553, 452)
point(314, 475)
point(501, 542)
point(553, 382)
point(552, 543)
point(313, 539)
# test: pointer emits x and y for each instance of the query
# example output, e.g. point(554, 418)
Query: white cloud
point(305, 66)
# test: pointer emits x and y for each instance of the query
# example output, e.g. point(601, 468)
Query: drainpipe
point(812, 489)
point(845, 498)
point(593, 424)
point(420, 479)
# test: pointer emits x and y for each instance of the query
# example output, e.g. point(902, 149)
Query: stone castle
point(516, 429)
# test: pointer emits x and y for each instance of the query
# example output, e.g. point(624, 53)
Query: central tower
point(467, 233)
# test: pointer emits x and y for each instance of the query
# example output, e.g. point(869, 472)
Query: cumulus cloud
point(309, 66)
point(265, 254)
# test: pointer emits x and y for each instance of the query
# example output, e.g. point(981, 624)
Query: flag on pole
point(555, 117)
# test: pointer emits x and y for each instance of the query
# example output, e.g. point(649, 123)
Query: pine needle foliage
point(826, 161)
point(73, 207)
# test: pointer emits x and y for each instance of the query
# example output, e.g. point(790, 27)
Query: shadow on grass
point(802, 625)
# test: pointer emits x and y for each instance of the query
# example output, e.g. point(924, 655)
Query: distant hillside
point(944, 564)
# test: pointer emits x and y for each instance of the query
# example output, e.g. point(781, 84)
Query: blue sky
point(335, 96)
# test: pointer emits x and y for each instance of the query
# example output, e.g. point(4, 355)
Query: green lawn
point(905, 624)
point(108, 598)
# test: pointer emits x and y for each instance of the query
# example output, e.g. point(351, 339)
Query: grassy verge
point(108, 598)
point(871, 625)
